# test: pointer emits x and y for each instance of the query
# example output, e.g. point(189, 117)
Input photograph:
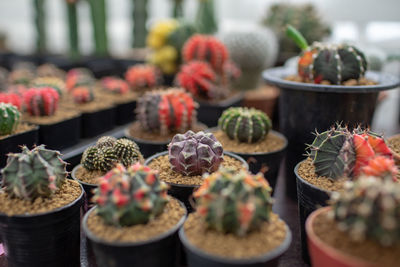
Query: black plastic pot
point(209, 112)
point(97, 122)
point(310, 198)
point(161, 251)
point(184, 192)
point(124, 112)
point(147, 148)
point(13, 142)
point(101, 66)
point(199, 258)
point(43, 240)
point(306, 107)
point(61, 134)
point(88, 188)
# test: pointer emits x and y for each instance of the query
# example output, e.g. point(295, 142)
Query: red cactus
point(18, 89)
point(143, 76)
point(115, 85)
point(41, 101)
point(364, 152)
point(77, 77)
point(380, 166)
point(11, 98)
point(82, 95)
point(378, 144)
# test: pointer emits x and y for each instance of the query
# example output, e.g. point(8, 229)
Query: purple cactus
point(195, 153)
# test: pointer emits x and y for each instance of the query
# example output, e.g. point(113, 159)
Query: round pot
point(209, 112)
point(199, 258)
point(88, 188)
point(184, 192)
point(323, 255)
point(147, 147)
point(46, 239)
point(160, 251)
point(306, 107)
point(309, 198)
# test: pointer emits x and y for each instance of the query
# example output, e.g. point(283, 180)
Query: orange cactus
point(381, 166)
point(364, 152)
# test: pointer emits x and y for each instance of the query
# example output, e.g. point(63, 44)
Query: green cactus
point(9, 118)
point(246, 125)
point(130, 196)
point(106, 141)
point(127, 152)
point(101, 159)
point(234, 202)
point(33, 173)
point(205, 21)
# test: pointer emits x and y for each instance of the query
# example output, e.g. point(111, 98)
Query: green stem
point(297, 37)
point(139, 23)
point(178, 9)
point(205, 17)
point(73, 30)
point(40, 26)
point(98, 13)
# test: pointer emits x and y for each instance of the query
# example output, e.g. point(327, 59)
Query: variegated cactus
point(115, 85)
point(143, 76)
point(41, 101)
point(52, 82)
point(82, 94)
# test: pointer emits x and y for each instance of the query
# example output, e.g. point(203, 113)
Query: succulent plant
point(82, 94)
point(33, 173)
point(127, 152)
point(115, 85)
point(205, 21)
point(11, 98)
point(130, 196)
point(166, 111)
point(41, 101)
point(195, 153)
point(244, 124)
point(52, 82)
point(369, 208)
point(328, 62)
point(143, 76)
point(21, 76)
point(100, 159)
point(234, 202)
point(9, 118)
point(18, 89)
point(106, 141)
point(77, 77)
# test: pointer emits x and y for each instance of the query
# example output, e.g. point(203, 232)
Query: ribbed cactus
point(127, 152)
point(166, 111)
point(234, 202)
point(9, 118)
point(52, 82)
point(195, 153)
point(369, 208)
point(143, 76)
point(11, 98)
point(244, 124)
point(82, 94)
point(77, 77)
point(328, 62)
point(101, 159)
point(205, 21)
point(106, 141)
point(41, 101)
point(130, 196)
point(115, 85)
point(33, 173)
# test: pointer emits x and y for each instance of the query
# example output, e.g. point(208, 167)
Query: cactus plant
point(369, 208)
point(39, 172)
point(9, 118)
point(12, 98)
point(139, 18)
point(195, 153)
point(106, 141)
point(99, 24)
point(205, 18)
point(41, 101)
point(130, 196)
point(127, 152)
point(234, 202)
point(166, 111)
point(53, 82)
point(21, 76)
point(73, 28)
point(115, 85)
point(334, 63)
point(244, 124)
point(40, 22)
point(82, 94)
point(101, 159)
point(143, 76)
point(77, 77)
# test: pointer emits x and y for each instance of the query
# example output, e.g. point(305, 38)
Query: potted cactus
point(247, 133)
point(334, 157)
point(234, 224)
point(135, 222)
point(143, 77)
point(39, 210)
point(331, 84)
point(359, 228)
point(189, 156)
point(160, 115)
point(97, 160)
point(208, 73)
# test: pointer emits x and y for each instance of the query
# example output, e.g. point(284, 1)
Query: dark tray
point(98, 122)
point(124, 112)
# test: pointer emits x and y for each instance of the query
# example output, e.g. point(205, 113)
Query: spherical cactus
point(234, 202)
point(100, 159)
point(52, 82)
point(41, 101)
point(11, 98)
point(106, 141)
point(77, 77)
point(127, 152)
point(9, 118)
point(334, 63)
point(33, 173)
point(166, 111)
point(143, 76)
point(130, 196)
point(244, 124)
point(369, 208)
point(82, 94)
point(195, 153)
point(115, 85)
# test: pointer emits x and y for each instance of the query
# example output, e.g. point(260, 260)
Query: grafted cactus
point(143, 76)
point(234, 202)
point(33, 173)
point(127, 152)
point(195, 153)
point(9, 118)
point(52, 82)
point(101, 159)
point(244, 124)
point(41, 101)
point(11, 98)
point(82, 94)
point(78, 77)
point(130, 196)
point(115, 85)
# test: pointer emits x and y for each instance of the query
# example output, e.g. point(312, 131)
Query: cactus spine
point(127, 152)
point(9, 118)
point(41, 101)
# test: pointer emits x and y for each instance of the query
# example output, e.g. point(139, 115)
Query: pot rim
point(74, 170)
point(96, 239)
point(329, 250)
point(278, 251)
point(296, 168)
point(150, 159)
point(275, 76)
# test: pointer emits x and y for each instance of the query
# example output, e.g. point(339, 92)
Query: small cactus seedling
point(101, 159)
point(234, 202)
point(130, 196)
point(53, 82)
point(333, 63)
point(143, 76)
point(244, 124)
point(78, 77)
point(369, 208)
point(166, 111)
point(82, 94)
point(33, 173)
point(11, 98)
point(115, 85)
point(41, 101)
point(9, 118)
point(106, 141)
point(127, 152)
point(195, 153)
